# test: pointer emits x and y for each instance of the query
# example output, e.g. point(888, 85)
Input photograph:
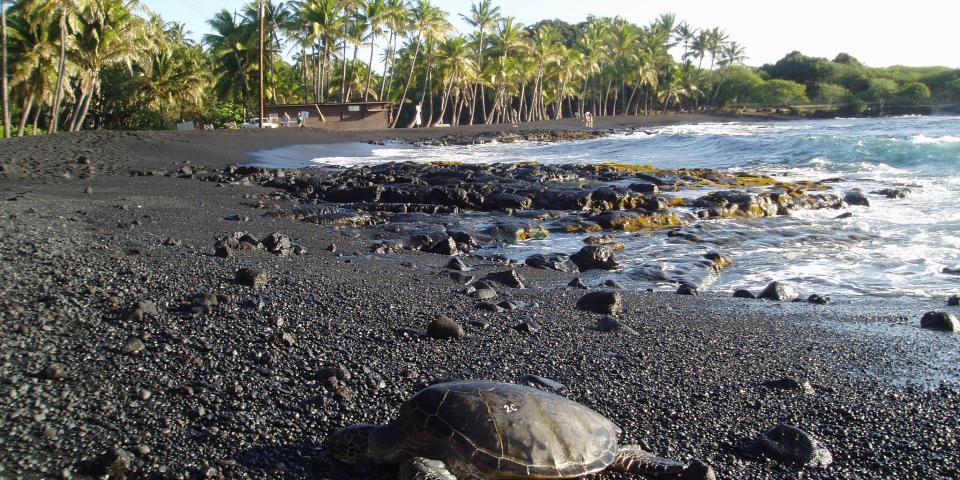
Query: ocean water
point(894, 248)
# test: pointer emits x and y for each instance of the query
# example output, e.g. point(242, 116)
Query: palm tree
point(483, 17)
point(732, 54)
point(3, 80)
point(34, 54)
point(374, 14)
point(397, 20)
point(65, 11)
point(228, 47)
point(108, 34)
point(427, 21)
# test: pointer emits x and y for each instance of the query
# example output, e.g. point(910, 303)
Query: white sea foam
point(922, 139)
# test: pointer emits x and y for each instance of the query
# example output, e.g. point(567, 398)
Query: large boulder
point(792, 445)
point(779, 291)
point(595, 257)
point(553, 261)
point(943, 321)
point(607, 302)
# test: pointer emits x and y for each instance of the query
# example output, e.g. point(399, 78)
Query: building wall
point(336, 116)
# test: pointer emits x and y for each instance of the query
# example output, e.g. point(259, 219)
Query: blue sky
point(878, 32)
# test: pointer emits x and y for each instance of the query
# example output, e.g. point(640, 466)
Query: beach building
point(333, 116)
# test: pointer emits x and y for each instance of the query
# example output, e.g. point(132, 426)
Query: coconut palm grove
point(114, 64)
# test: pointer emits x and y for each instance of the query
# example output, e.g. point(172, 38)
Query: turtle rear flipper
point(634, 459)
point(419, 468)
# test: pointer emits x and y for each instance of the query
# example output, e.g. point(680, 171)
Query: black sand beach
point(129, 348)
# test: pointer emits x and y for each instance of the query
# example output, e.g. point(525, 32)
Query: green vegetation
point(74, 64)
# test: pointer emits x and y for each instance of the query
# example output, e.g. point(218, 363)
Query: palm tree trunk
point(696, 98)
point(3, 80)
point(58, 97)
point(36, 120)
point(27, 106)
point(366, 88)
point(86, 107)
point(387, 63)
point(406, 88)
point(76, 110)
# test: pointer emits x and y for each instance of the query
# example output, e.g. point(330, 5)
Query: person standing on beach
point(286, 119)
point(418, 119)
point(300, 119)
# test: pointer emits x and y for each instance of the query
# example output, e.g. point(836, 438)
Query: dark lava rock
point(893, 193)
point(611, 283)
point(251, 277)
point(787, 383)
point(172, 242)
point(459, 277)
point(113, 465)
point(511, 305)
point(444, 328)
point(224, 251)
point(951, 271)
point(818, 299)
point(485, 293)
point(685, 289)
point(843, 216)
point(508, 278)
point(595, 257)
point(447, 246)
point(792, 445)
point(698, 470)
point(88, 190)
point(741, 293)
point(277, 243)
point(541, 382)
point(457, 264)
point(133, 346)
point(779, 291)
point(647, 188)
point(954, 300)
point(856, 197)
point(237, 218)
point(943, 321)
point(53, 372)
point(489, 307)
point(553, 261)
point(603, 301)
point(527, 327)
point(577, 283)
point(607, 323)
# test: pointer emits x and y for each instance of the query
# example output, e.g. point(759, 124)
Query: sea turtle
point(480, 430)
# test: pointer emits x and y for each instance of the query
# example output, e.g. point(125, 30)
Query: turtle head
point(349, 445)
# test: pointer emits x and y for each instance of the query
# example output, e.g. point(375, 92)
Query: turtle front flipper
point(634, 459)
point(419, 468)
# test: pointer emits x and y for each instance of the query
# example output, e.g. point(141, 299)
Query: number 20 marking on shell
point(510, 408)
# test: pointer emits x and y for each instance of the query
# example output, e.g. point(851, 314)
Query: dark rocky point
point(685, 289)
point(741, 293)
point(577, 283)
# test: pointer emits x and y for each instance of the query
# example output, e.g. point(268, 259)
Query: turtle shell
point(511, 431)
